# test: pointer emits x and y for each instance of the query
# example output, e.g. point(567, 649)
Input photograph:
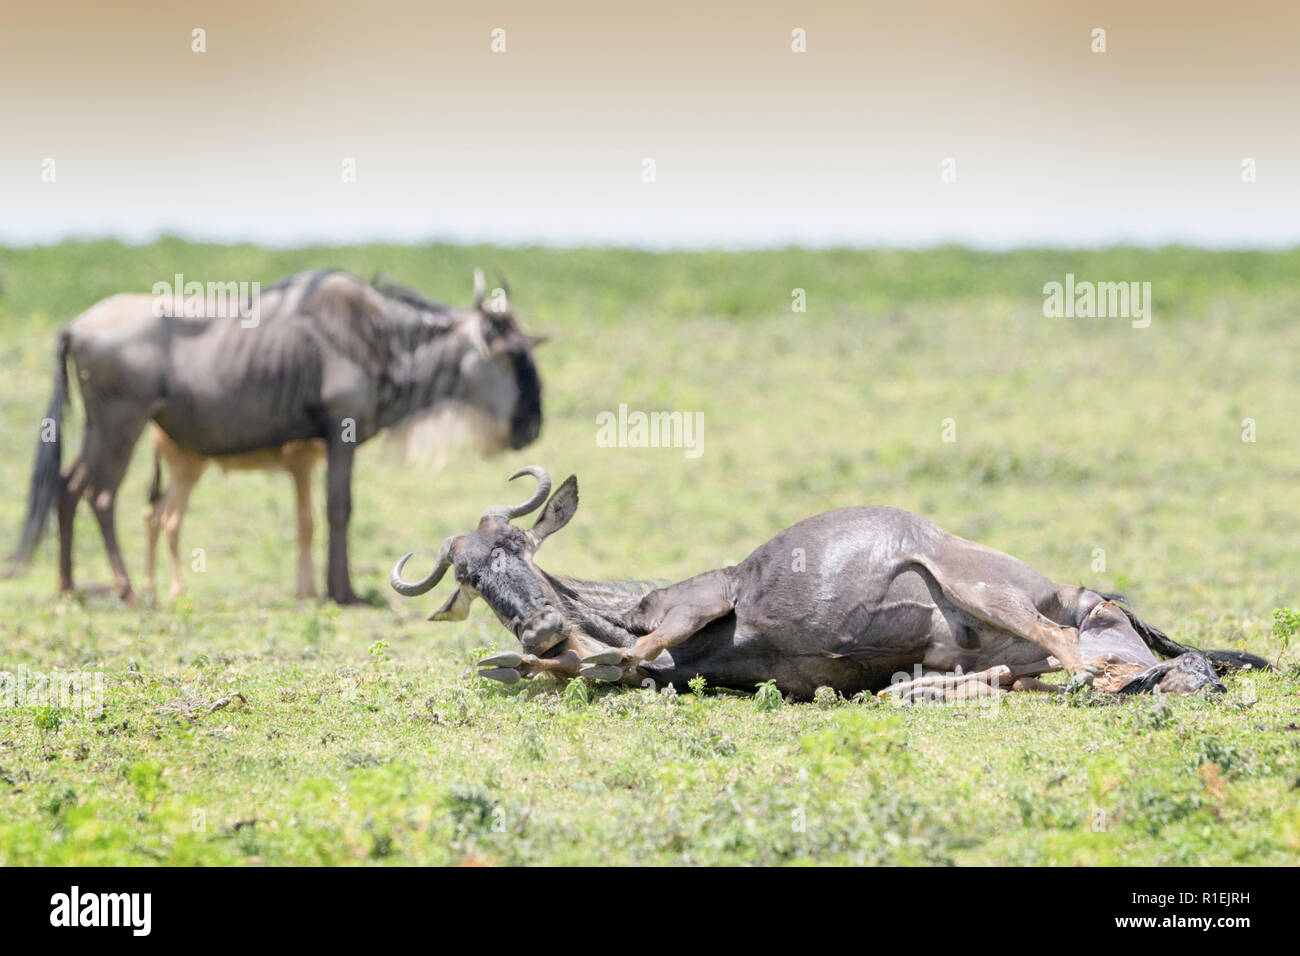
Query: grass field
point(362, 737)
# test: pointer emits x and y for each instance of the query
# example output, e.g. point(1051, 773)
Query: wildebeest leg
point(1010, 610)
point(338, 507)
point(300, 468)
point(185, 470)
point(106, 463)
point(509, 666)
point(177, 503)
point(1029, 683)
point(153, 516)
point(951, 686)
point(999, 678)
point(152, 525)
point(103, 503)
point(699, 602)
point(74, 483)
point(567, 659)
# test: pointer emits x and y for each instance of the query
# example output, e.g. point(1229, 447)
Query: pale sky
point(753, 144)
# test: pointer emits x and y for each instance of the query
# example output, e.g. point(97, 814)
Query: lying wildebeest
point(849, 599)
point(330, 358)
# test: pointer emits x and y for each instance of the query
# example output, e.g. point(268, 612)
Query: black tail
point(1224, 661)
point(46, 479)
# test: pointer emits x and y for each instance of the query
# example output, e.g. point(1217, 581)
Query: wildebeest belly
point(802, 644)
point(838, 601)
point(295, 453)
point(235, 428)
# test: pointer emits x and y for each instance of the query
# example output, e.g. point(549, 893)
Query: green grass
point(1072, 435)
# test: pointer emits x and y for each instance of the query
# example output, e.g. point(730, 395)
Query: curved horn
point(413, 588)
point(480, 288)
point(533, 503)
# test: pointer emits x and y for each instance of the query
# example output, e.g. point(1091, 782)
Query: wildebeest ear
point(456, 608)
point(558, 511)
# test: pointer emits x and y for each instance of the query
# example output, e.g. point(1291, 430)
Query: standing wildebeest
point(848, 599)
point(329, 358)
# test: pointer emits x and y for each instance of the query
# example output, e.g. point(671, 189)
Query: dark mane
point(1166, 646)
point(1152, 637)
point(408, 296)
point(313, 279)
point(632, 587)
point(611, 595)
point(282, 283)
point(402, 339)
point(412, 302)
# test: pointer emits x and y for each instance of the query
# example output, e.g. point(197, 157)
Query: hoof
point(613, 655)
point(506, 675)
point(504, 659)
point(601, 672)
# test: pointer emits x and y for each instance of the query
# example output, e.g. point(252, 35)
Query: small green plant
point(1079, 694)
point(768, 697)
point(1286, 621)
point(378, 652)
point(48, 720)
point(577, 694)
point(827, 697)
point(697, 684)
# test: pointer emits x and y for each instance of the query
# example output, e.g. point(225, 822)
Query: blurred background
point(752, 143)
point(571, 145)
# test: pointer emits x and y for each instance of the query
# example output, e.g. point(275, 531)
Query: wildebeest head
point(495, 563)
point(509, 379)
point(1107, 633)
point(494, 401)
